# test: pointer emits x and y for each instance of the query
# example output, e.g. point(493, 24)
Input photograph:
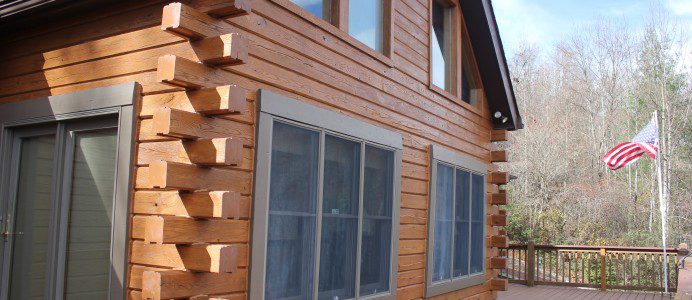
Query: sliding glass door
point(58, 210)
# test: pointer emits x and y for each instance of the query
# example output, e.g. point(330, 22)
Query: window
point(321, 8)
point(456, 243)
point(442, 45)
point(367, 21)
point(326, 205)
point(64, 199)
point(471, 89)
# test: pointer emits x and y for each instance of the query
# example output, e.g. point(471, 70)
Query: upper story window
point(326, 205)
point(456, 236)
point(471, 90)
point(367, 21)
point(442, 45)
point(320, 8)
point(453, 71)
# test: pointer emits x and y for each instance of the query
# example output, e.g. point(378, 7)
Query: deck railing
point(625, 268)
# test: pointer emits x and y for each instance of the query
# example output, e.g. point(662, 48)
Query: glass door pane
point(90, 215)
point(30, 241)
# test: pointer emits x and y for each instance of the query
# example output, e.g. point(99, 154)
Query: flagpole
point(662, 205)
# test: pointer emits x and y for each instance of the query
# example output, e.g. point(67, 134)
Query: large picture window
point(456, 246)
point(326, 205)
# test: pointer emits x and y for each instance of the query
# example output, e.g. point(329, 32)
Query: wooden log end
point(499, 241)
point(153, 229)
point(498, 198)
point(180, 72)
point(174, 123)
point(498, 263)
point(499, 178)
point(498, 220)
point(498, 284)
point(224, 50)
point(233, 8)
point(498, 135)
point(151, 285)
point(215, 151)
point(176, 18)
point(498, 156)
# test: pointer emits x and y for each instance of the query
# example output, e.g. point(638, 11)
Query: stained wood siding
point(288, 55)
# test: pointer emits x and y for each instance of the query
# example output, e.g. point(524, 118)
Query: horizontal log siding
point(288, 55)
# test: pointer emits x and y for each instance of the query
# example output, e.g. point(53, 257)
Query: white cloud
point(680, 7)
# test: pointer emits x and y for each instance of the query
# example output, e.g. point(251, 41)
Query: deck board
point(544, 292)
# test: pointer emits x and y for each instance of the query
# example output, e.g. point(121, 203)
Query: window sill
point(437, 289)
point(457, 100)
point(335, 31)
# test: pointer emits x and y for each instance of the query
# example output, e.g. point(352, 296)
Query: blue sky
point(546, 22)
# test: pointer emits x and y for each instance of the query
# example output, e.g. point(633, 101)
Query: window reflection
point(365, 22)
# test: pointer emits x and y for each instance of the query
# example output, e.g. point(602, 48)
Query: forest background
point(595, 88)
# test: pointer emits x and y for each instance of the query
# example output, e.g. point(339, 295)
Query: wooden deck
point(544, 292)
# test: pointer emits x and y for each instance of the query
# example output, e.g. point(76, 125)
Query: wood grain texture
point(227, 99)
point(498, 220)
point(498, 198)
point(226, 8)
point(498, 284)
point(182, 124)
point(226, 49)
point(498, 263)
point(499, 241)
point(187, 22)
point(179, 284)
point(170, 175)
point(182, 72)
point(210, 152)
point(215, 204)
point(216, 258)
point(498, 156)
point(499, 177)
point(498, 135)
point(181, 230)
point(176, 151)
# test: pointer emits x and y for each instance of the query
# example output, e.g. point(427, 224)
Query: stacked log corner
point(191, 205)
point(498, 240)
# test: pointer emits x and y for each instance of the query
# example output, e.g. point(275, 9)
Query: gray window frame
point(275, 107)
point(440, 155)
point(111, 102)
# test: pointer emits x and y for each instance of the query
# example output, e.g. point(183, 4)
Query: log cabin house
point(266, 149)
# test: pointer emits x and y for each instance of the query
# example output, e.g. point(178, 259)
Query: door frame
point(117, 100)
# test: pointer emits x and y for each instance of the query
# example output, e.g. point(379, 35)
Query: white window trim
point(277, 107)
point(459, 161)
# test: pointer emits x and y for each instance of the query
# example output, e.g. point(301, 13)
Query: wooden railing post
point(530, 264)
point(603, 269)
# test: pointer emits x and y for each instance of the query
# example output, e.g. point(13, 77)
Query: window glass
point(292, 212)
point(320, 8)
point(458, 240)
point(444, 205)
point(477, 216)
point(462, 223)
point(294, 196)
point(32, 218)
point(377, 221)
point(365, 22)
point(91, 215)
point(339, 218)
point(441, 46)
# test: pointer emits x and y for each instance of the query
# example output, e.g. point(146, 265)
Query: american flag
point(646, 141)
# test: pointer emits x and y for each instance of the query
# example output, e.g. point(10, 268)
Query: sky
point(546, 22)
